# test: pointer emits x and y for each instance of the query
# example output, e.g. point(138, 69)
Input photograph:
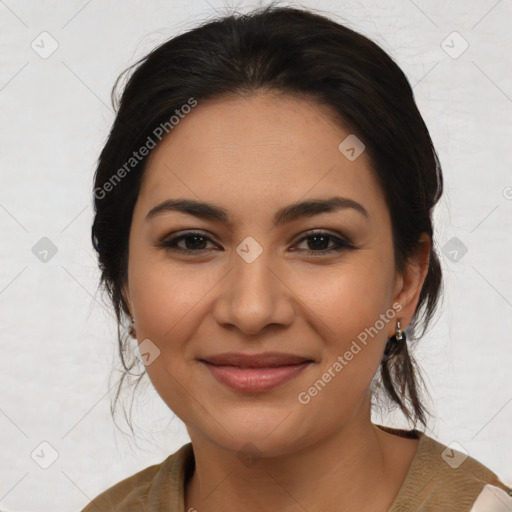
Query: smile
point(250, 379)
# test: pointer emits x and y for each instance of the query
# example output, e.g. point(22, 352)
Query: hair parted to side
point(289, 51)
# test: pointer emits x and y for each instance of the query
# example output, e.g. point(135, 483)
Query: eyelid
point(341, 241)
point(320, 231)
point(180, 235)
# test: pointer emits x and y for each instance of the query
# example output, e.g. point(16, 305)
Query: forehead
point(259, 150)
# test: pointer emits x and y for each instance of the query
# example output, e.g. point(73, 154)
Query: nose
point(254, 295)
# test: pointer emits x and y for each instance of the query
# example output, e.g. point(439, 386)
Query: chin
point(256, 434)
point(250, 447)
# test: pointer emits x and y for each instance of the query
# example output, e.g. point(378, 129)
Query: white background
point(58, 338)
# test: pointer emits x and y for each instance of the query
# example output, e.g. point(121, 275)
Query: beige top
point(440, 479)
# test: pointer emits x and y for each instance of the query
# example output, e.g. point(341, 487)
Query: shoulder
point(445, 477)
point(151, 487)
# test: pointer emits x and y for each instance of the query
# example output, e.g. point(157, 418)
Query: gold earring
point(399, 334)
point(396, 343)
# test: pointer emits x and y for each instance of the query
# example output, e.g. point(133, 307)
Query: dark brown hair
point(296, 52)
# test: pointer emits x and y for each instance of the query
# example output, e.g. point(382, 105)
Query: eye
point(321, 239)
point(196, 242)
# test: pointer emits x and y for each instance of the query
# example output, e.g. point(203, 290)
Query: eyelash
point(171, 243)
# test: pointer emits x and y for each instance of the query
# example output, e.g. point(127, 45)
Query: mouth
point(263, 360)
point(255, 373)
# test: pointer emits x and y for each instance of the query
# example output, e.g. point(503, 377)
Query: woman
point(264, 219)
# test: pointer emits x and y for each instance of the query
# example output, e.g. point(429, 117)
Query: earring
point(399, 334)
point(396, 342)
point(131, 327)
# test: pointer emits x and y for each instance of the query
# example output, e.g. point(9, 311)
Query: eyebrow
point(286, 214)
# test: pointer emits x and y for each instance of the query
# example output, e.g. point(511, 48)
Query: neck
point(355, 468)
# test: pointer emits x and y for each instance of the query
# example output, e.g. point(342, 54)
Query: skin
point(253, 155)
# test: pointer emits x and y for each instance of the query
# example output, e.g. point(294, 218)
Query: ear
point(409, 283)
point(125, 292)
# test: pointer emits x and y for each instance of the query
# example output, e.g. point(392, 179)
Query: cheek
point(353, 316)
point(348, 298)
point(167, 301)
point(164, 297)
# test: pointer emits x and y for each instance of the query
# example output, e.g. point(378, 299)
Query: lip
point(255, 372)
point(253, 380)
point(262, 360)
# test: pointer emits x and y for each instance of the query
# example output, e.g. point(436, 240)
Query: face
point(319, 284)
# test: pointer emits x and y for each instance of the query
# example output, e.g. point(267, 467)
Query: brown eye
point(318, 243)
point(193, 242)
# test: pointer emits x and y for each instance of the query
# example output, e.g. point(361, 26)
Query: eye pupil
point(195, 245)
point(321, 237)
